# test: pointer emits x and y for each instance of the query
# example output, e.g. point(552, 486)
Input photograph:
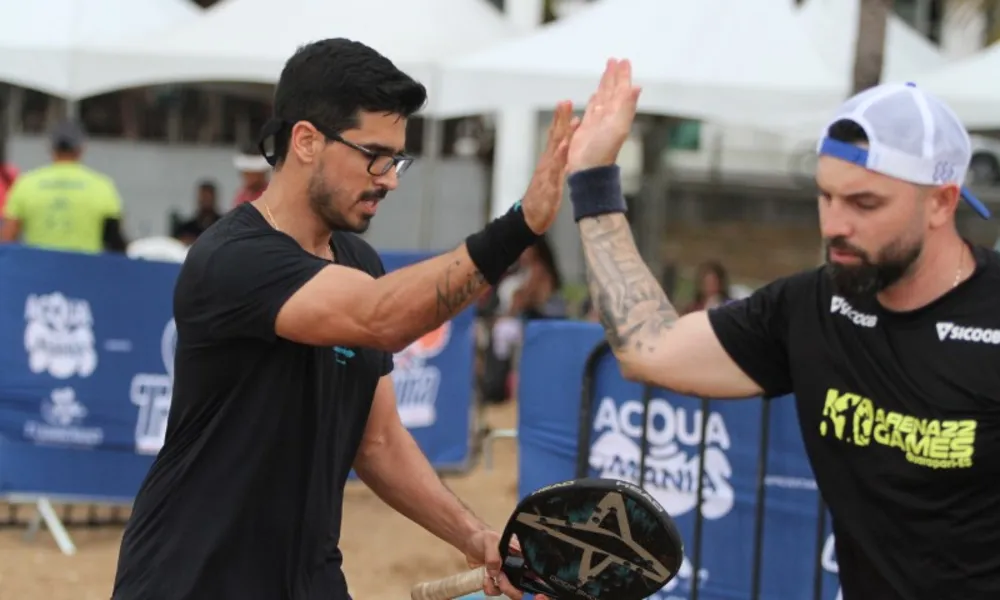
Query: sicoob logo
point(839, 305)
point(671, 469)
point(59, 336)
point(417, 382)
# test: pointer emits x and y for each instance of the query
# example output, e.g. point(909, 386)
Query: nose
point(388, 181)
point(834, 219)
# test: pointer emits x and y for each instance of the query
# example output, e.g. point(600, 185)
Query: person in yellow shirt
point(65, 205)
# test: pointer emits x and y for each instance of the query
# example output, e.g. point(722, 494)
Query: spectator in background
point(532, 292)
point(711, 287)
point(253, 170)
point(206, 214)
point(8, 173)
point(64, 205)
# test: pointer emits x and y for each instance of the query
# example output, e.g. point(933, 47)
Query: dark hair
point(847, 131)
point(207, 185)
point(330, 81)
point(714, 267)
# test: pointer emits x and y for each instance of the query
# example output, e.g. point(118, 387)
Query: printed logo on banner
point(152, 392)
point(62, 422)
point(674, 435)
point(829, 562)
point(59, 336)
point(417, 382)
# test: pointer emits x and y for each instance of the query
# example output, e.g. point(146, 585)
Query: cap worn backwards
point(912, 136)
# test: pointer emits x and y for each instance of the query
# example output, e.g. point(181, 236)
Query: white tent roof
point(833, 27)
point(971, 86)
point(713, 59)
point(41, 39)
point(250, 40)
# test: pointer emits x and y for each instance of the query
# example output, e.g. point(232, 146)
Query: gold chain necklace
point(958, 274)
point(270, 216)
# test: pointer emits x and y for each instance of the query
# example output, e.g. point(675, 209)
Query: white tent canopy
point(250, 40)
point(711, 59)
point(971, 86)
point(833, 27)
point(41, 40)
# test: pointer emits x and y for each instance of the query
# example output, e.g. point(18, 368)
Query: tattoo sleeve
point(456, 289)
point(632, 307)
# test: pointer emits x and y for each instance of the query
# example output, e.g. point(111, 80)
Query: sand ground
point(384, 552)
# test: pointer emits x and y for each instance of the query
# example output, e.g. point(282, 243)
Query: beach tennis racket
point(585, 539)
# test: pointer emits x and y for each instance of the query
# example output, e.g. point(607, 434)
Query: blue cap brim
point(976, 204)
point(859, 156)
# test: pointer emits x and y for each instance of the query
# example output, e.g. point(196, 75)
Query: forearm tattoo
point(455, 292)
point(629, 301)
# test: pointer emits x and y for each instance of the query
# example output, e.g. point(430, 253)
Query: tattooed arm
point(342, 305)
point(653, 345)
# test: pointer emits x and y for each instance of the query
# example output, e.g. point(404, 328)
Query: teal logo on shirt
point(342, 355)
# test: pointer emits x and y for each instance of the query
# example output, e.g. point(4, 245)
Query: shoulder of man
point(362, 254)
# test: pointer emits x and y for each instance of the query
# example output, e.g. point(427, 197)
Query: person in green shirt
point(64, 205)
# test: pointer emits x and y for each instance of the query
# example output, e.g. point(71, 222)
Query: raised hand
point(544, 196)
point(607, 120)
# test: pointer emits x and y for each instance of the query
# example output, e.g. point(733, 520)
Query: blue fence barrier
point(86, 354)
point(761, 528)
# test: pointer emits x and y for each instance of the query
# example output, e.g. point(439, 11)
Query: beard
point(869, 277)
point(323, 200)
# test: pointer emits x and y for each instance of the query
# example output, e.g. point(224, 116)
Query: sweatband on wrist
point(498, 246)
point(596, 191)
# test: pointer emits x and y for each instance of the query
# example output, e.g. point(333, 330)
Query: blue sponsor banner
point(75, 331)
point(86, 357)
point(552, 369)
point(433, 378)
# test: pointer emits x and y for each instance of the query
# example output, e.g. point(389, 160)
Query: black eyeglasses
point(380, 160)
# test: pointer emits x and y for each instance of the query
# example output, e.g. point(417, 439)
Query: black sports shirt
point(244, 500)
point(900, 414)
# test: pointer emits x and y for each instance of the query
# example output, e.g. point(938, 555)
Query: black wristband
point(494, 249)
point(596, 191)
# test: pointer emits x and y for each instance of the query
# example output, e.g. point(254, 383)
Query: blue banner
point(86, 360)
point(552, 369)
point(433, 378)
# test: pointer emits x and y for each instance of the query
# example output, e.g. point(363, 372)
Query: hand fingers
point(491, 585)
point(515, 545)
point(507, 589)
point(607, 84)
point(558, 129)
point(564, 119)
point(625, 75)
point(634, 100)
point(491, 556)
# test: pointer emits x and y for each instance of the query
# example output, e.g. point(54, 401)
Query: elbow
point(633, 369)
point(387, 332)
point(386, 336)
point(630, 371)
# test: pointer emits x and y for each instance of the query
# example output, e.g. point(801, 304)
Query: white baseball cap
point(912, 136)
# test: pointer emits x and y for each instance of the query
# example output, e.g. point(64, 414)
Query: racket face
point(592, 539)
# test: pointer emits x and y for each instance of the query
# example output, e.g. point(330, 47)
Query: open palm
point(607, 120)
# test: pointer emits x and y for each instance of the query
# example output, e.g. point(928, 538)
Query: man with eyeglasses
point(286, 328)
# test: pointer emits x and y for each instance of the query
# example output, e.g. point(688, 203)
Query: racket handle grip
point(451, 587)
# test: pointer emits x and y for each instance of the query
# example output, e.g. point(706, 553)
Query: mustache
point(374, 195)
point(840, 243)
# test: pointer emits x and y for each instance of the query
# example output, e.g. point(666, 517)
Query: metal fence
point(602, 350)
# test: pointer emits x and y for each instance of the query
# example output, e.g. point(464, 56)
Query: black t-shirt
point(244, 500)
point(900, 414)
